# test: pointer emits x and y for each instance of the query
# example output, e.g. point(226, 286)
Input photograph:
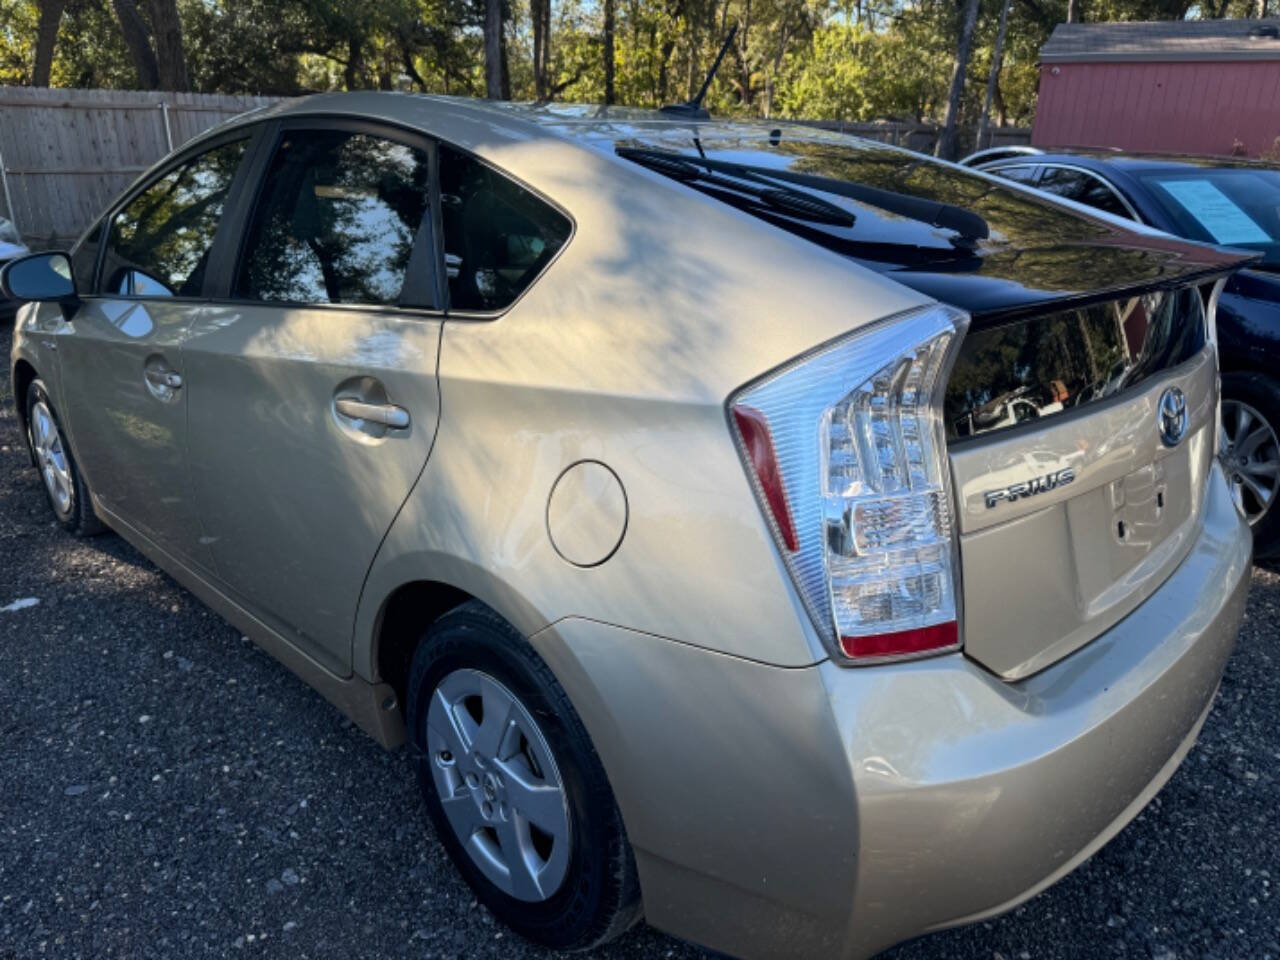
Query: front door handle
point(163, 378)
point(387, 414)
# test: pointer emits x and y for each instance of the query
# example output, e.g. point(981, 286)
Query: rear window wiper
point(798, 204)
point(966, 223)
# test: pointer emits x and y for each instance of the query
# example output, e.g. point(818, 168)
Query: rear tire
point(64, 487)
point(567, 881)
point(1251, 455)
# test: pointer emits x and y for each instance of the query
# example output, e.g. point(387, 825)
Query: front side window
point(160, 242)
point(497, 235)
point(337, 221)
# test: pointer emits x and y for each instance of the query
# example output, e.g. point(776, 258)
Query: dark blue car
point(1220, 201)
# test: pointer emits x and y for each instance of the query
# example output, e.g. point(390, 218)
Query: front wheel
point(1251, 453)
point(514, 787)
point(68, 495)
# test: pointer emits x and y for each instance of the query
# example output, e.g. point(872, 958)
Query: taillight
point(846, 451)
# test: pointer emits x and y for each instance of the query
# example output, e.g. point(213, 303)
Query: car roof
point(469, 122)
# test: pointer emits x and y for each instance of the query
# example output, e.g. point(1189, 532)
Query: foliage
point(831, 59)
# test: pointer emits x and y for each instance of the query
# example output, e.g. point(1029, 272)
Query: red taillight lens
point(902, 643)
point(753, 428)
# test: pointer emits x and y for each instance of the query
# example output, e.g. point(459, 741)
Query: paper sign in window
point(1215, 211)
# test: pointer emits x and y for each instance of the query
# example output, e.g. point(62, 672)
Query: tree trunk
point(1073, 11)
point(171, 61)
point(993, 78)
point(540, 14)
point(964, 49)
point(1260, 8)
point(353, 72)
point(610, 95)
point(46, 37)
point(493, 49)
point(135, 38)
point(504, 61)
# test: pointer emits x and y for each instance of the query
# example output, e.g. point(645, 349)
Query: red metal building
point(1178, 86)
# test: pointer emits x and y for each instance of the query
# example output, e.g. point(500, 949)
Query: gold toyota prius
point(790, 540)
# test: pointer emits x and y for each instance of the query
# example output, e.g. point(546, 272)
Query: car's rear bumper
point(827, 811)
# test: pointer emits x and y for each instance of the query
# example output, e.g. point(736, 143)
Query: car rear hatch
point(1071, 505)
point(1080, 441)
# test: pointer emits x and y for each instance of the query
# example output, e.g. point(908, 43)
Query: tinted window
point(497, 235)
point(337, 221)
point(161, 241)
point(1023, 174)
point(1083, 188)
point(1035, 368)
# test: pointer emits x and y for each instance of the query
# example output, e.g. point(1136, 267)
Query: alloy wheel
point(51, 456)
point(1250, 458)
point(499, 785)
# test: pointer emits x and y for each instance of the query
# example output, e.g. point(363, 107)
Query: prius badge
point(1029, 488)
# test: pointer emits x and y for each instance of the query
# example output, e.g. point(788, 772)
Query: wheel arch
point(23, 375)
point(404, 615)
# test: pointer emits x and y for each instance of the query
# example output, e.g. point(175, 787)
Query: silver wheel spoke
point(1243, 419)
point(1246, 447)
point(498, 719)
point(1263, 496)
point(463, 815)
point(442, 719)
point(1269, 468)
point(524, 876)
point(540, 803)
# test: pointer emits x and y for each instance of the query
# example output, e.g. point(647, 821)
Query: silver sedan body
point(330, 477)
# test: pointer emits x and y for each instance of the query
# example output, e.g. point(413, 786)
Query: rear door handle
point(387, 414)
point(163, 378)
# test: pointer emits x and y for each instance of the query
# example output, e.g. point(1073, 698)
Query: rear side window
point(337, 220)
point(160, 242)
point(497, 235)
point(1023, 174)
point(1083, 188)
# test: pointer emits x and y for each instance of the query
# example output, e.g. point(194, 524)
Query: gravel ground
point(170, 791)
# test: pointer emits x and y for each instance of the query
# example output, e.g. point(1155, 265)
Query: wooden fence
point(65, 154)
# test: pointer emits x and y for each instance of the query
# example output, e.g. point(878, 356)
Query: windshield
point(1234, 206)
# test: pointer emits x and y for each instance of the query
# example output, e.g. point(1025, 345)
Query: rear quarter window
point(498, 236)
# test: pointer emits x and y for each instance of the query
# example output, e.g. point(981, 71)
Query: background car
point(1213, 201)
point(11, 247)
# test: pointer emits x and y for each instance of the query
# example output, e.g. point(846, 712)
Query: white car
point(11, 247)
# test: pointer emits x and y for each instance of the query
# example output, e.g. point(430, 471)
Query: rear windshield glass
point(1043, 366)
point(900, 210)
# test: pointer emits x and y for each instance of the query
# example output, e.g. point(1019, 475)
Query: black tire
point(77, 516)
point(1263, 395)
point(599, 898)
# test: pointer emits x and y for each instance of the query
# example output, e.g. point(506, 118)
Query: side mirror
point(40, 276)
